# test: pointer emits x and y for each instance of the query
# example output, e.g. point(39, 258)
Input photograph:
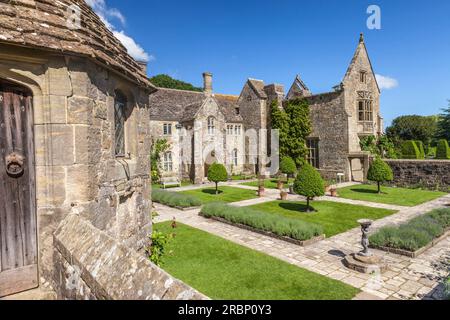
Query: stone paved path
point(406, 278)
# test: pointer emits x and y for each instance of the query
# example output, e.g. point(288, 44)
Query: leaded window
point(167, 129)
point(168, 163)
point(313, 152)
point(211, 125)
point(120, 104)
point(235, 157)
point(365, 111)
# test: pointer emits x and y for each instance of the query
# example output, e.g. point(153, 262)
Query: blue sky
point(275, 40)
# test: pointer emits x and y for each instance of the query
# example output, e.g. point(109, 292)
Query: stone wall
point(330, 126)
point(77, 170)
point(91, 265)
point(431, 174)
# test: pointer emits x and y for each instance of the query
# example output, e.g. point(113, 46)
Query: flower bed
point(175, 200)
point(287, 229)
point(413, 238)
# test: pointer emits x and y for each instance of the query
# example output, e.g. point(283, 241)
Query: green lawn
point(223, 270)
point(396, 196)
point(268, 184)
point(334, 217)
point(227, 194)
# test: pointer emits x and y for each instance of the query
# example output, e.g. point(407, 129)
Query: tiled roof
point(43, 24)
point(258, 86)
point(182, 105)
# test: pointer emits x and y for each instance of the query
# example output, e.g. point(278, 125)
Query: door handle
point(14, 164)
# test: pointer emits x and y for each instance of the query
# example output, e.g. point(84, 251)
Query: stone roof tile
point(43, 24)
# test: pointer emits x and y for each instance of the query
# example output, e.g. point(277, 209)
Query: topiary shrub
point(421, 148)
point(288, 166)
point(443, 150)
point(410, 150)
point(309, 184)
point(380, 172)
point(217, 173)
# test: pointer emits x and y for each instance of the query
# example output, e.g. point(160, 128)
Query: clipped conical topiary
point(380, 172)
point(288, 166)
point(309, 184)
point(443, 150)
point(410, 150)
point(421, 148)
point(217, 173)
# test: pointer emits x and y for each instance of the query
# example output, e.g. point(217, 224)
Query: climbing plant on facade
point(159, 147)
point(294, 125)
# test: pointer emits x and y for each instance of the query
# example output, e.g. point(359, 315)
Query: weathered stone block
point(79, 110)
point(79, 186)
point(49, 190)
point(54, 145)
point(87, 144)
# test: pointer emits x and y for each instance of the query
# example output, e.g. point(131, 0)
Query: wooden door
point(18, 237)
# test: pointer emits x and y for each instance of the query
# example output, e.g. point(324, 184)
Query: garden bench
point(170, 182)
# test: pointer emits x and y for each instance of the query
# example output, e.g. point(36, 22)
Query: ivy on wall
point(294, 125)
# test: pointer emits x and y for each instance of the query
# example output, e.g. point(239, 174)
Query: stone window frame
point(235, 157)
point(363, 76)
point(167, 129)
point(129, 149)
point(230, 129)
point(168, 161)
point(120, 110)
point(211, 125)
point(365, 110)
point(313, 146)
point(237, 130)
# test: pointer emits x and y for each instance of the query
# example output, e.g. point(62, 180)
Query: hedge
point(416, 234)
point(421, 148)
point(443, 150)
point(173, 199)
point(410, 150)
point(278, 225)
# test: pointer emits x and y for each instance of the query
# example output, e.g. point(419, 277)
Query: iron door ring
point(14, 164)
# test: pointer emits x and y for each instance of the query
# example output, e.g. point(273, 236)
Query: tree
point(309, 184)
point(217, 173)
point(379, 172)
point(444, 124)
point(443, 150)
point(413, 127)
point(294, 125)
point(159, 147)
point(288, 166)
point(165, 81)
point(382, 147)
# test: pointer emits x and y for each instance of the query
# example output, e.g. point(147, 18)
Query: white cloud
point(386, 83)
point(135, 50)
point(107, 15)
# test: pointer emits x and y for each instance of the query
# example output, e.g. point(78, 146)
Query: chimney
point(143, 65)
point(207, 82)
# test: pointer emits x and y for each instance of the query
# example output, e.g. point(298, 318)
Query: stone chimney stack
point(143, 65)
point(207, 82)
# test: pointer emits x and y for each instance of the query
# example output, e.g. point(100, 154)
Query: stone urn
point(283, 195)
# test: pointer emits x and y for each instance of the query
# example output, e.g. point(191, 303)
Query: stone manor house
point(204, 127)
point(77, 116)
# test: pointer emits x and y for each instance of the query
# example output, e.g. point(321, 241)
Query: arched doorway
point(210, 159)
point(18, 230)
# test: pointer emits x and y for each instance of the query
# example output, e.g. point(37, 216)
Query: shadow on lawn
point(296, 207)
point(211, 191)
point(367, 191)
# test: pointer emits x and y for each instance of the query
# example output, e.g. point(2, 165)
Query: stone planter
point(333, 192)
point(415, 254)
point(283, 195)
point(280, 185)
point(261, 191)
point(302, 243)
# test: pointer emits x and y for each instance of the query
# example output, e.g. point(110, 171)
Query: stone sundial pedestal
point(365, 261)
